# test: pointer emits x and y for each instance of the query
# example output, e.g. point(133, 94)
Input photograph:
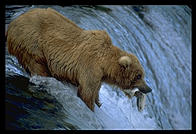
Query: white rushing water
point(116, 112)
point(160, 36)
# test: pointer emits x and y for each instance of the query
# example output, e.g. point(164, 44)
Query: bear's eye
point(139, 76)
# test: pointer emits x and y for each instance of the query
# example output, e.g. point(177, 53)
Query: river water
point(160, 36)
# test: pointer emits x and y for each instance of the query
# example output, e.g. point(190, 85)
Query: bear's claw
point(98, 103)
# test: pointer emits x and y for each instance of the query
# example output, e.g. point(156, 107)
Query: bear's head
point(131, 74)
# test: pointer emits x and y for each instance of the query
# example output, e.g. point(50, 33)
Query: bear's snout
point(145, 89)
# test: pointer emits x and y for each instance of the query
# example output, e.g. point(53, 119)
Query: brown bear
point(48, 44)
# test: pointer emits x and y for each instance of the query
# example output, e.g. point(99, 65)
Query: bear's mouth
point(141, 97)
point(144, 89)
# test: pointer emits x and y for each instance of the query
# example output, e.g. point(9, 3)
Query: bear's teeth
point(132, 92)
point(141, 99)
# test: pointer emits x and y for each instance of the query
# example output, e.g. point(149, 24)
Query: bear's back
point(44, 24)
point(38, 27)
point(47, 17)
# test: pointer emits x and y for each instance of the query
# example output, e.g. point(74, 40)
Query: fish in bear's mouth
point(140, 94)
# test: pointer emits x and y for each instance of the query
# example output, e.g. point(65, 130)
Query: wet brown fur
point(48, 44)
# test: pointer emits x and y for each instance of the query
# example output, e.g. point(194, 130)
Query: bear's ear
point(124, 61)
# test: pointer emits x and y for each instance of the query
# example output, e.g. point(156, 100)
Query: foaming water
point(160, 36)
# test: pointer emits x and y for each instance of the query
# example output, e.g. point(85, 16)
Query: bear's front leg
point(88, 93)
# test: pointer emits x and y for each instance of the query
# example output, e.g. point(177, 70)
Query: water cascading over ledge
point(160, 36)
